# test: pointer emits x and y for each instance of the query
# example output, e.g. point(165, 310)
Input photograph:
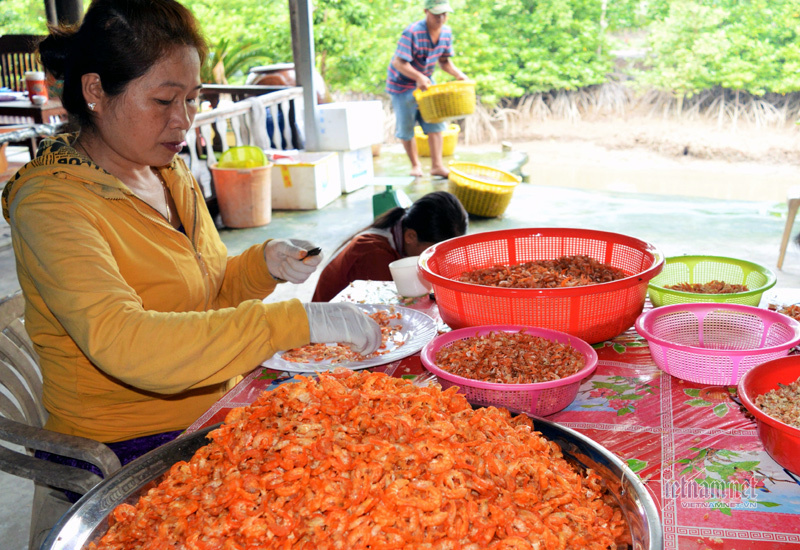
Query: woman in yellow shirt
point(140, 319)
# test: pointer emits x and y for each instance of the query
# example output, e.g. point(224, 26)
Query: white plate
point(416, 330)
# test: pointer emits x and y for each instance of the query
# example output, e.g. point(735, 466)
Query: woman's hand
point(342, 322)
point(289, 259)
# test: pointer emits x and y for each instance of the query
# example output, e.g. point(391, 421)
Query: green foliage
point(22, 17)
point(511, 48)
point(246, 33)
point(227, 62)
point(354, 41)
point(749, 46)
point(634, 14)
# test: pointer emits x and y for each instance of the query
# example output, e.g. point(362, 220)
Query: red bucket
point(781, 441)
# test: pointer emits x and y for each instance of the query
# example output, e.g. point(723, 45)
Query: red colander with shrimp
point(593, 313)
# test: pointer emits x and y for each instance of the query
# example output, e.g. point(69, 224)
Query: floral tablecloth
point(694, 448)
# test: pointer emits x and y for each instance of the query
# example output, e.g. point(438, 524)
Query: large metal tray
point(87, 520)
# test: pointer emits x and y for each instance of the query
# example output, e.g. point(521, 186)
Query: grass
point(513, 118)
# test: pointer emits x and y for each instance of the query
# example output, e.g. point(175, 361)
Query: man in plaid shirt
point(420, 47)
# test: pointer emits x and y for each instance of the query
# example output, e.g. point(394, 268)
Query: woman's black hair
point(435, 217)
point(120, 40)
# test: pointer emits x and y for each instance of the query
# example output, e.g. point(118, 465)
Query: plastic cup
point(407, 279)
point(35, 82)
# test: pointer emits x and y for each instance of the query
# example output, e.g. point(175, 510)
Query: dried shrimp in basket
point(510, 358)
point(565, 271)
point(782, 403)
point(792, 311)
point(711, 287)
point(366, 461)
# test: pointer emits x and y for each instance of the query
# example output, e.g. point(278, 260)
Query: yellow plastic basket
point(446, 102)
point(483, 190)
point(449, 140)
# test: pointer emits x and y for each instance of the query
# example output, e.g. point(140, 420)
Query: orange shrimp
point(424, 470)
point(564, 271)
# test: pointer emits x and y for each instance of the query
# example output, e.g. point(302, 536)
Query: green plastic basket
point(243, 156)
point(704, 269)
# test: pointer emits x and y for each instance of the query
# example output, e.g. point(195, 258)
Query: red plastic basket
point(781, 440)
point(715, 344)
point(540, 399)
point(593, 313)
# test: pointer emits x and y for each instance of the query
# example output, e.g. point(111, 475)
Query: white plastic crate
point(350, 125)
point(355, 168)
point(305, 181)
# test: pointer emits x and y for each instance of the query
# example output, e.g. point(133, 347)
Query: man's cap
point(438, 6)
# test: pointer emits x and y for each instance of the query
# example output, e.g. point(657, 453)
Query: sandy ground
point(663, 157)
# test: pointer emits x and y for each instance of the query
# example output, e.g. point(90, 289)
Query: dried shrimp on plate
point(357, 460)
point(404, 332)
point(341, 353)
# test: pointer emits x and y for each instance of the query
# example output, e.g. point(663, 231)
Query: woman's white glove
point(343, 322)
point(289, 260)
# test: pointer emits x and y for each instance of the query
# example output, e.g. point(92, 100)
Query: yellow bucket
point(446, 102)
point(449, 140)
point(483, 190)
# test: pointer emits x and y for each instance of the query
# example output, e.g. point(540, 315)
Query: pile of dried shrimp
point(711, 287)
point(356, 460)
point(510, 358)
point(792, 311)
point(565, 271)
point(782, 403)
point(342, 353)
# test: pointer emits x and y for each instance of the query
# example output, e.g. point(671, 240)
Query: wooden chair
point(17, 55)
point(22, 418)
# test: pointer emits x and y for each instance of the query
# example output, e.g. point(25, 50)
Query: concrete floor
point(743, 229)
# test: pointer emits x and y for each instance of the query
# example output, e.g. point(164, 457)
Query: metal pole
point(69, 12)
point(303, 52)
point(50, 10)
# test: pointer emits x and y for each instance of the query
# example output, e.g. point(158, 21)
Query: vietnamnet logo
point(713, 493)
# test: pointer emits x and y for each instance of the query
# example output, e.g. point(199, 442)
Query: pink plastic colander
point(715, 344)
point(540, 399)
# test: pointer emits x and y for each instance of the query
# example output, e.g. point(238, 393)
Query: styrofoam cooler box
point(355, 168)
point(350, 125)
point(305, 181)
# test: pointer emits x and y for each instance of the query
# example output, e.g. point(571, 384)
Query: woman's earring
point(91, 106)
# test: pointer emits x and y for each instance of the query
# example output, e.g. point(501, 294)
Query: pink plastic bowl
point(539, 399)
point(781, 441)
point(715, 344)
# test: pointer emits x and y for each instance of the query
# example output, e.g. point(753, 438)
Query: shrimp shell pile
point(565, 271)
point(510, 358)
point(711, 287)
point(357, 460)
